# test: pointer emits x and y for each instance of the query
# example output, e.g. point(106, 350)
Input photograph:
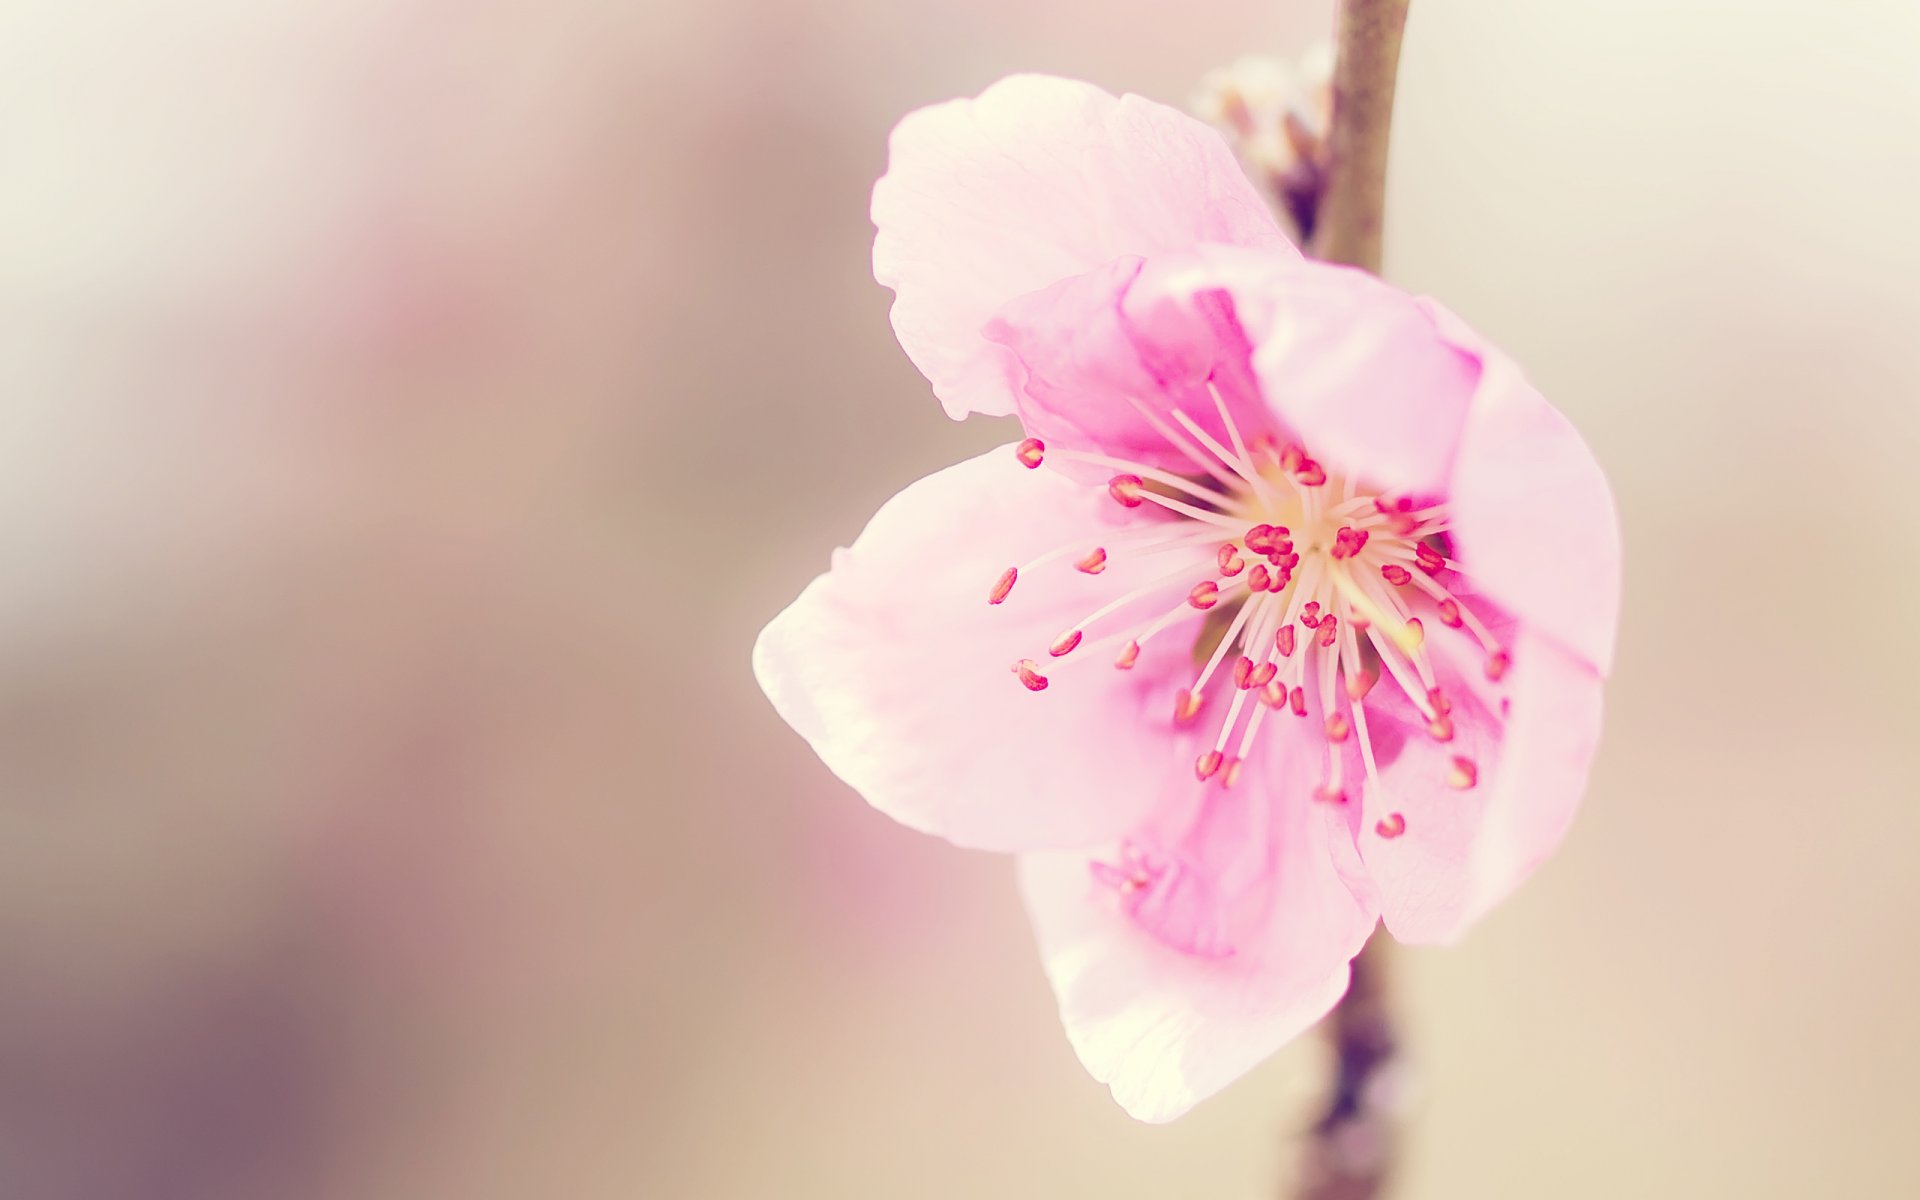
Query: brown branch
point(1350, 1153)
point(1367, 55)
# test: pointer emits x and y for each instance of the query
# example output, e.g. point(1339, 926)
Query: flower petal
point(1107, 358)
point(1329, 356)
point(1358, 369)
point(1035, 180)
point(1532, 515)
point(1164, 1028)
point(1462, 851)
point(897, 669)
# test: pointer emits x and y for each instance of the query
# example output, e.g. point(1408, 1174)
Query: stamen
point(1231, 564)
point(1283, 641)
point(1031, 453)
point(1329, 629)
point(1180, 483)
point(1207, 764)
point(1029, 673)
point(1180, 443)
point(1259, 579)
point(1093, 563)
point(1450, 613)
point(1064, 644)
point(1204, 595)
point(1003, 585)
point(1498, 663)
point(1235, 463)
point(1127, 489)
point(1129, 655)
point(1396, 574)
point(1391, 826)
point(1186, 705)
point(1359, 683)
point(1338, 728)
point(1464, 774)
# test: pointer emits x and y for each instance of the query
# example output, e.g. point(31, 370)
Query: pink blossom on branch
point(1289, 614)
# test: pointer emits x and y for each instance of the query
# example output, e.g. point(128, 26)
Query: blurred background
point(409, 413)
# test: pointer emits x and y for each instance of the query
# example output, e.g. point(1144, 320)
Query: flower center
point(1300, 592)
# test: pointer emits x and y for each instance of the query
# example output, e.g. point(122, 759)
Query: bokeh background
point(409, 412)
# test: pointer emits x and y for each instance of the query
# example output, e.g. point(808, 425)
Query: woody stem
point(1347, 227)
point(1349, 1152)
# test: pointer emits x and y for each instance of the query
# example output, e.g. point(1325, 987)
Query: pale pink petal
point(1165, 1027)
point(1036, 180)
point(1463, 850)
point(1358, 369)
point(897, 669)
point(1533, 518)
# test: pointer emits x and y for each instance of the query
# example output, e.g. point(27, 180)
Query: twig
point(1367, 54)
point(1350, 1153)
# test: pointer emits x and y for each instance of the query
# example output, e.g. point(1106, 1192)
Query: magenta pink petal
point(1035, 180)
point(1109, 357)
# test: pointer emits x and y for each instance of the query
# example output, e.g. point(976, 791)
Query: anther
point(1186, 706)
point(1415, 634)
point(1207, 764)
point(1429, 558)
point(1359, 683)
point(1283, 640)
point(1274, 695)
point(1064, 644)
point(1437, 700)
point(1263, 674)
point(1093, 563)
point(1329, 629)
point(1326, 793)
point(1338, 727)
point(1129, 654)
point(1497, 664)
point(1243, 673)
point(1450, 614)
point(1463, 774)
point(1230, 772)
point(1311, 474)
point(1264, 538)
point(1126, 489)
point(1291, 456)
point(1390, 826)
point(1259, 579)
point(1397, 575)
point(1441, 728)
point(1348, 542)
point(1030, 453)
point(1003, 585)
point(1228, 557)
point(1204, 595)
point(1310, 614)
point(1029, 673)
point(1298, 702)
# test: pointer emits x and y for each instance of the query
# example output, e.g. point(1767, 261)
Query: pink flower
point(1289, 614)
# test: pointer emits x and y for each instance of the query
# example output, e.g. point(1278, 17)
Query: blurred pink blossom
point(1289, 614)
